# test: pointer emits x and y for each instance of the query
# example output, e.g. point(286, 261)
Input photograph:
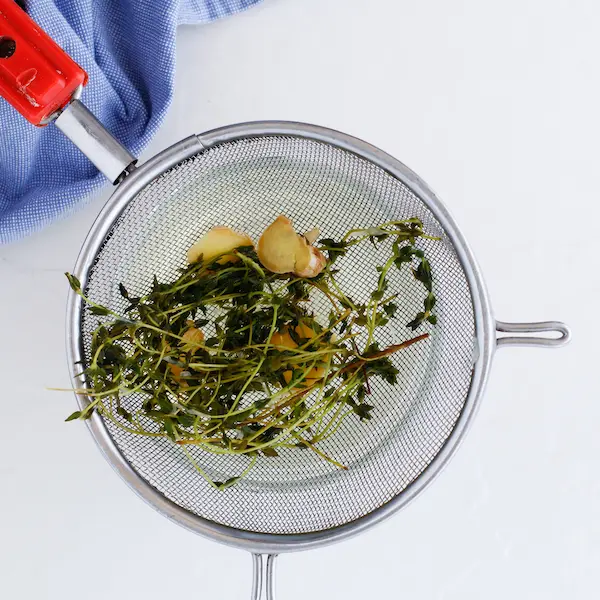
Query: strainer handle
point(43, 83)
point(262, 577)
point(526, 340)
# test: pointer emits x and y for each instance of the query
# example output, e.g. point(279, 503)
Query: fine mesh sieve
point(245, 184)
point(243, 176)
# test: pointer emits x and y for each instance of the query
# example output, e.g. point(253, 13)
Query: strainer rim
point(484, 331)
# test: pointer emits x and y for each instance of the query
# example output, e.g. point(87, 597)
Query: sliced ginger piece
point(283, 338)
point(192, 338)
point(218, 241)
point(278, 246)
point(281, 250)
point(176, 370)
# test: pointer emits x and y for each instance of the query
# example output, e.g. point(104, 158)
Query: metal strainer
point(243, 176)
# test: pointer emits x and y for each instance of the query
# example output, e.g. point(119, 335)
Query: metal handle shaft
point(90, 136)
point(262, 578)
point(524, 340)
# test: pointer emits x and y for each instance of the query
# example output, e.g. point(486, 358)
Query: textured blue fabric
point(128, 49)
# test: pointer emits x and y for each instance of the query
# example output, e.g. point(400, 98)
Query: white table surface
point(495, 105)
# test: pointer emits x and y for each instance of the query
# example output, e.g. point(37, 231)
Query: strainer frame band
point(484, 343)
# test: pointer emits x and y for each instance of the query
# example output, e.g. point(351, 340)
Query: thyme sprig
point(231, 359)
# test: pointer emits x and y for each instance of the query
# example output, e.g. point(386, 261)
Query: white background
point(495, 105)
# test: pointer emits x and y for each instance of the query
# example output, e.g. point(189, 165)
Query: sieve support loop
point(262, 577)
point(525, 340)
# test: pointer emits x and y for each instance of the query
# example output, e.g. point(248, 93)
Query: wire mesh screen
point(245, 185)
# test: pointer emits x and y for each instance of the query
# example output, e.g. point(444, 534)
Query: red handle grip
point(36, 76)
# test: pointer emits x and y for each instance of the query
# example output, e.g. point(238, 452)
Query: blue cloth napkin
point(128, 49)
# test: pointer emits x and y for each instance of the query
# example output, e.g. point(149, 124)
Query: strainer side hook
point(524, 340)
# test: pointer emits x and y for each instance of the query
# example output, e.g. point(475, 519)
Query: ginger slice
point(284, 339)
point(281, 250)
point(216, 242)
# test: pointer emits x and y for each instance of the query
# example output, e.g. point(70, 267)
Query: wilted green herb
point(237, 388)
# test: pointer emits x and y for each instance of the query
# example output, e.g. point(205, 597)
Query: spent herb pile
point(230, 356)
